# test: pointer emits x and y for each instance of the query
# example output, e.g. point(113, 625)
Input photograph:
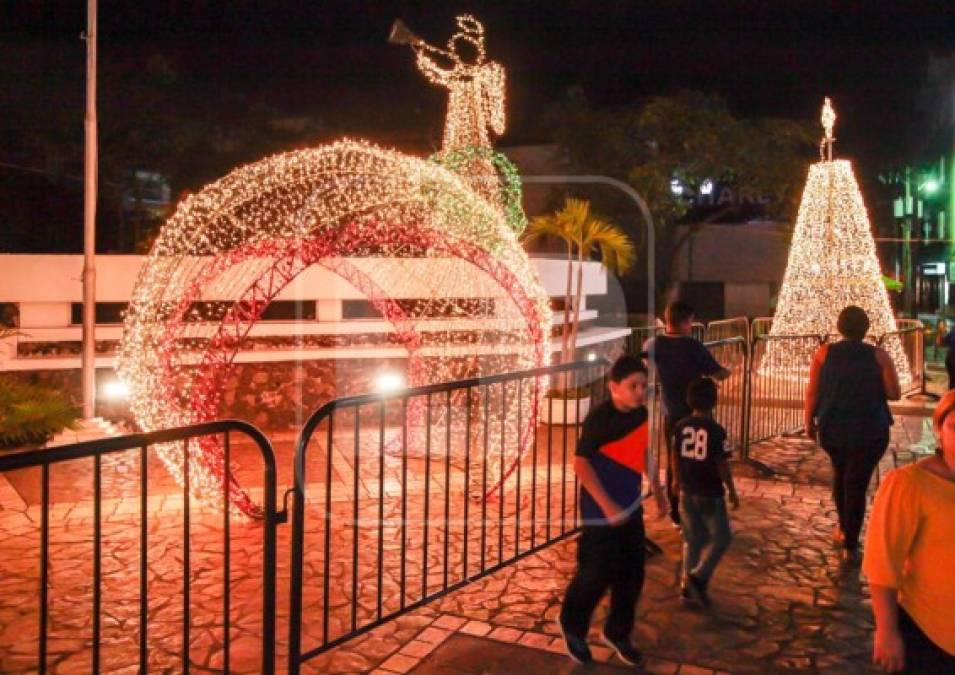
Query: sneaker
point(626, 652)
point(576, 646)
point(698, 588)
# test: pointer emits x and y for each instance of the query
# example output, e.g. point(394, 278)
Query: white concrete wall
point(29, 279)
point(746, 299)
point(747, 253)
point(44, 286)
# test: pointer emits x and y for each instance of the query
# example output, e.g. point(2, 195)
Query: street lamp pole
point(89, 219)
point(909, 228)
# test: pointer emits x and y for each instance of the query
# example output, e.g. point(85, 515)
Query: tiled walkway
point(782, 599)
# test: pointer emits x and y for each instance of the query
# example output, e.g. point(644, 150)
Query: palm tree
point(584, 233)
point(559, 225)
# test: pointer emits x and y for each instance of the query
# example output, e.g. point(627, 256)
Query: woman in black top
point(847, 412)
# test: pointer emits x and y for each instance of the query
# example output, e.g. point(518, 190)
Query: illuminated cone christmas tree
point(832, 264)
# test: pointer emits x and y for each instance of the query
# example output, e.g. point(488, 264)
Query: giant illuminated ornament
point(411, 235)
point(832, 264)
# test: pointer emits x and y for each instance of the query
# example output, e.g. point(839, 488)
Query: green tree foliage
point(690, 137)
point(153, 115)
point(30, 414)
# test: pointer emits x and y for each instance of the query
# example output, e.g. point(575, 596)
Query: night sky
point(331, 59)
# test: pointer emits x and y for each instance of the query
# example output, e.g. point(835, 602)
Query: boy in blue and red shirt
point(610, 458)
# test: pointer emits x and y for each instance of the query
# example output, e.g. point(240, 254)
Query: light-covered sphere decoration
point(394, 227)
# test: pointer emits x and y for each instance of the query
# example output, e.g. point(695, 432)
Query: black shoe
point(577, 647)
point(626, 652)
point(698, 588)
point(687, 595)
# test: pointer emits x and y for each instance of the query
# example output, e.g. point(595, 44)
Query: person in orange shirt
point(910, 559)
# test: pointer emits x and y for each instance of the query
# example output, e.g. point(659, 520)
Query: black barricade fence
point(113, 563)
point(727, 328)
point(474, 475)
point(730, 411)
point(779, 372)
point(910, 340)
point(760, 326)
point(636, 342)
point(398, 499)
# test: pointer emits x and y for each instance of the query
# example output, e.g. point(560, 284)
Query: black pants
point(608, 557)
point(922, 656)
point(673, 497)
point(853, 463)
point(950, 367)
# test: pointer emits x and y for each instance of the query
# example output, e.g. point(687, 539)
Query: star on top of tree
point(828, 121)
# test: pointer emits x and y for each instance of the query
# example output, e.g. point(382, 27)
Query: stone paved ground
point(782, 599)
point(461, 654)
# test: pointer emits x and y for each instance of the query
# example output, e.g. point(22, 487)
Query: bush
point(30, 414)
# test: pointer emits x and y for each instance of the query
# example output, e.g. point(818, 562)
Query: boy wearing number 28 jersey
point(700, 473)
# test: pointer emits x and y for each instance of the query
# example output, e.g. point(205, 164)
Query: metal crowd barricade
point(727, 328)
point(639, 336)
point(50, 460)
point(777, 392)
point(760, 326)
point(730, 411)
point(417, 493)
point(911, 338)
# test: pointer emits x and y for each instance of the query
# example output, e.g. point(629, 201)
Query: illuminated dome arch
point(347, 206)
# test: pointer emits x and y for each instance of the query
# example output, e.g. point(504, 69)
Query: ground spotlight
point(389, 382)
point(115, 390)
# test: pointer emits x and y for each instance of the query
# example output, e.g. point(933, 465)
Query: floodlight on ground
point(115, 390)
point(389, 382)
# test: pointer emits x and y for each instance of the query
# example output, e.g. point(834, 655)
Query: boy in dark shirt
point(699, 477)
point(610, 458)
point(679, 358)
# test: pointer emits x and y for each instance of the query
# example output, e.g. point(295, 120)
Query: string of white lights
point(411, 235)
point(832, 264)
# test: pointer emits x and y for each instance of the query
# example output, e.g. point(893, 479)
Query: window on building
point(442, 308)
point(290, 310)
point(106, 313)
point(359, 309)
point(281, 310)
point(9, 315)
